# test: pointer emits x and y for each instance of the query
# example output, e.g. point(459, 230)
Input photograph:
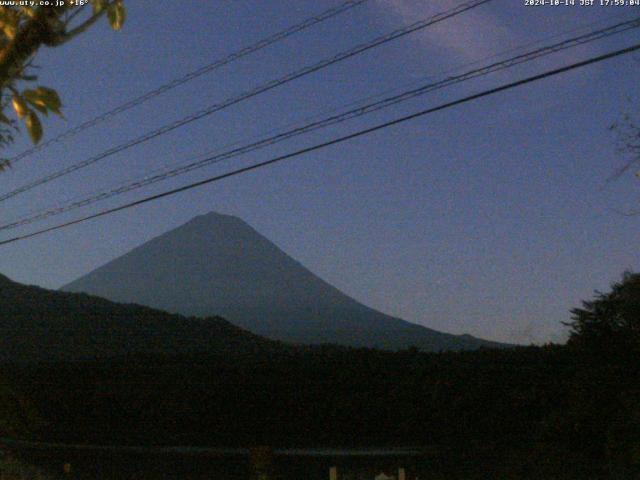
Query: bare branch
point(82, 27)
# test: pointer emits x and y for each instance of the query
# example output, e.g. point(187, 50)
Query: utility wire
point(332, 120)
point(358, 102)
point(397, 121)
point(251, 93)
point(261, 44)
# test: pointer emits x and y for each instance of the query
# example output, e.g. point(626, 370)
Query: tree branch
point(30, 36)
point(82, 27)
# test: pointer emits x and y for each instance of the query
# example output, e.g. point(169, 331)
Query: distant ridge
point(48, 325)
point(218, 265)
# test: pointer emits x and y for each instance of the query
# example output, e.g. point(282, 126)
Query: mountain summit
point(218, 265)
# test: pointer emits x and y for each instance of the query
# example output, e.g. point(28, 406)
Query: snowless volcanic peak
point(218, 265)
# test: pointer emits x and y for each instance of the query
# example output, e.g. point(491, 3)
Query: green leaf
point(98, 6)
point(35, 99)
point(9, 22)
point(28, 11)
point(50, 98)
point(34, 127)
point(44, 99)
point(116, 14)
point(19, 106)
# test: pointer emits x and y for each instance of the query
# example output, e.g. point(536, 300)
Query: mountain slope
point(43, 325)
point(217, 264)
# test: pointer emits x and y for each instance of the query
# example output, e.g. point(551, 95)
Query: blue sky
point(492, 218)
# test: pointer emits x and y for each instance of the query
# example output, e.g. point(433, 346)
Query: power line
point(332, 120)
point(358, 102)
point(362, 100)
point(261, 44)
point(334, 141)
point(252, 93)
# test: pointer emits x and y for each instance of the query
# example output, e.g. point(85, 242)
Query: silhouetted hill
point(218, 265)
point(39, 324)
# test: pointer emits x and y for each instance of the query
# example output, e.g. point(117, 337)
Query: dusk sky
point(493, 218)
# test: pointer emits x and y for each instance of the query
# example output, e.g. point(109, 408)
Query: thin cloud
point(472, 35)
point(481, 34)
